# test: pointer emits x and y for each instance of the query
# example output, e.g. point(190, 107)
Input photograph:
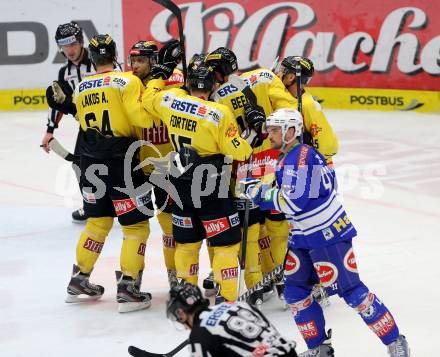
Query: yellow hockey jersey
point(111, 103)
point(323, 137)
point(157, 136)
point(209, 128)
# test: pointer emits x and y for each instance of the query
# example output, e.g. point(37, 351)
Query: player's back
point(237, 330)
point(207, 127)
point(110, 104)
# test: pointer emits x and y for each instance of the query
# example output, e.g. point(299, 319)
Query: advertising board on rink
point(382, 55)
point(374, 45)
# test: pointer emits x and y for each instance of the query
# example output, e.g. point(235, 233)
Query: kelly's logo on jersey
point(215, 226)
point(124, 206)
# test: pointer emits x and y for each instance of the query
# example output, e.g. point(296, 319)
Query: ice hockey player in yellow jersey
point(271, 95)
point(206, 139)
point(109, 109)
point(317, 130)
point(142, 57)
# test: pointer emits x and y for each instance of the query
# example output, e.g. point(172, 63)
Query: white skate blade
point(133, 306)
point(81, 298)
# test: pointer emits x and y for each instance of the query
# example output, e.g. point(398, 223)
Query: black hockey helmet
point(197, 59)
point(143, 48)
point(201, 77)
point(187, 297)
point(288, 65)
point(223, 60)
point(69, 33)
point(102, 49)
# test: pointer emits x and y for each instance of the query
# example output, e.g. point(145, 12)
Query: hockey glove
point(67, 107)
point(256, 190)
point(58, 94)
point(253, 138)
point(255, 116)
point(168, 58)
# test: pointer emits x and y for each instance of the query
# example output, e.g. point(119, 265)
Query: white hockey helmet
point(286, 118)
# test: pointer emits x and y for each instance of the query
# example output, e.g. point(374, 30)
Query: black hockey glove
point(255, 116)
point(168, 58)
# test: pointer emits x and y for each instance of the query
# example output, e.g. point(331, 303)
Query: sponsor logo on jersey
point(215, 315)
point(303, 156)
point(119, 81)
point(264, 242)
point(350, 261)
point(141, 250)
point(157, 135)
point(315, 130)
point(143, 199)
point(194, 269)
point(253, 80)
point(124, 206)
point(231, 131)
point(92, 83)
point(234, 220)
point(168, 241)
point(341, 223)
point(327, 233)
point(384, 325)
point(189, 107)
point(182, 222)
point(89, 197)
point(241, 205)
point(226, 90)
point(93, 245)
point(308, 330)
point(292, 263)
point(229, 273)
point(301, 305)
point(366, 303)
point(327, 272)
point(201, 111)
point(215, 226)
point(266, 76)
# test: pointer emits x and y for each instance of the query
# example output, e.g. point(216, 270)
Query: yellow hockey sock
point(91, 241)
point(133, 248)
point(225, 268)
point(187, 261)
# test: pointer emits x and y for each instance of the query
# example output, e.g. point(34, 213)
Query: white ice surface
point(396, 212)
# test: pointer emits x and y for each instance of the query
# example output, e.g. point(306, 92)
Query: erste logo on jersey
point(182, 222)
point(226, 90)
point(327, 272)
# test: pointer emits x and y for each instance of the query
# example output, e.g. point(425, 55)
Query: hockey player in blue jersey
point(320, 239)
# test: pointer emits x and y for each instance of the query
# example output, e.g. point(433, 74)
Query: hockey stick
point(168, 4)
point(137, 352)
point(299, 91)
point(60, 150)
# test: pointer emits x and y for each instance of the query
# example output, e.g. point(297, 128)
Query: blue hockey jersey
point(306, 193)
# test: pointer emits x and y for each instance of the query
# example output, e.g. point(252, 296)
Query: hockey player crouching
point(223, 330)
point(320, 241)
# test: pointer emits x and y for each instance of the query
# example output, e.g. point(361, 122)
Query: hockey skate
point(279, 286)
point(256, 298)
point(268, 290)
point(325, 349)
point(128, 296)
point(80, 289)
point(320, 295)
point(209, 285)
point(172, 278)
point(399, 348)
point(79, 216)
